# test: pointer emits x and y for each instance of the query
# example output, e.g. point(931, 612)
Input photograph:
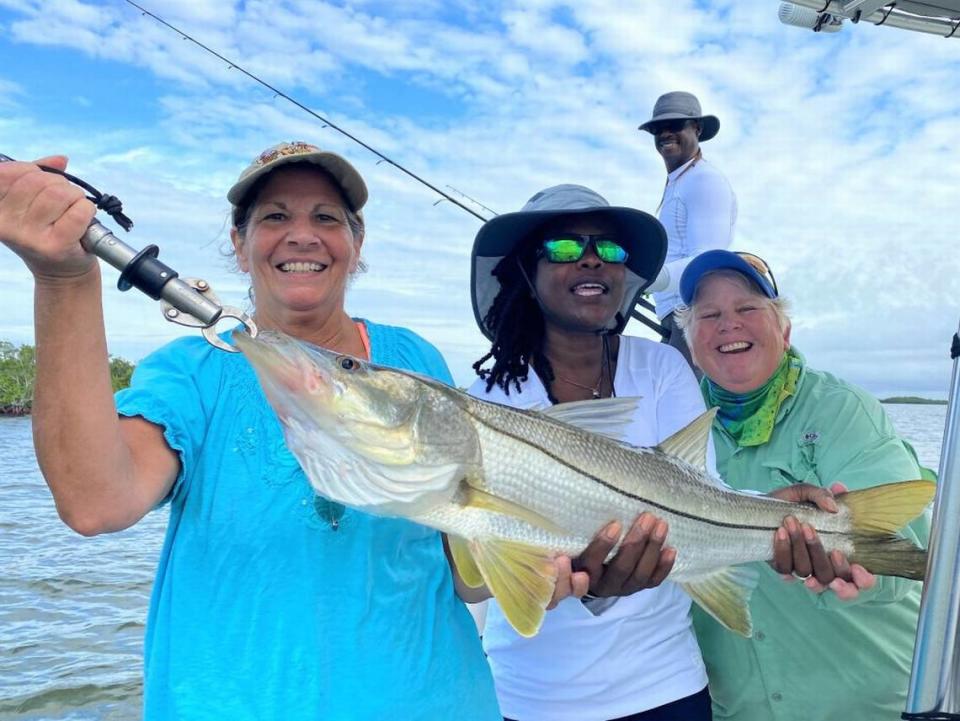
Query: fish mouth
point(285, 372)
point(739, 346)
point(301, 266)
point(589, 288)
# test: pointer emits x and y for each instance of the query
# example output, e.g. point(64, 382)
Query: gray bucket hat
point(642, 235)
point(345, 175)
point(680, 105)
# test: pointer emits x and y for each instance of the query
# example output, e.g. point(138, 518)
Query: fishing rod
point(188, 301)
point(325, 121)
point(328, 123)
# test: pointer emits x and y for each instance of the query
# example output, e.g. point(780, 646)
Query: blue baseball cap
point(720, 260)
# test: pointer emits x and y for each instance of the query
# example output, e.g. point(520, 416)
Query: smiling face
point(736, 338)
point(676, 145)
point(585, 295)
point(297, 247)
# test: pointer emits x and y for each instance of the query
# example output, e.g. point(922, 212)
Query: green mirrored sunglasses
point(570, 247)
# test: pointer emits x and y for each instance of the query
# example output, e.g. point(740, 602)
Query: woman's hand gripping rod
point(188, 302)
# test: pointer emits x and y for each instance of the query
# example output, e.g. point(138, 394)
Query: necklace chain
point(594, 389)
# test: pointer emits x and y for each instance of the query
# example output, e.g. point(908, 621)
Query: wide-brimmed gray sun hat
point(680, 105)
point(345, 175)
point(641, 235)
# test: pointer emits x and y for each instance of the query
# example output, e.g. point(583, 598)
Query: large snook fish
point(515, 488)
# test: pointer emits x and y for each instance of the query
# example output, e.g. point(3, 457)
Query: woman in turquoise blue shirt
point(269, 602)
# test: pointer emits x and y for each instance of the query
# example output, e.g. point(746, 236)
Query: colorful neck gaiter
point(749, 417)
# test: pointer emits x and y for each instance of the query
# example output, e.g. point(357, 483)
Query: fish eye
point(347, 363)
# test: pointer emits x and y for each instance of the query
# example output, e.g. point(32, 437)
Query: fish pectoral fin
point(725, 595)
point(463, 560)
point(478, 498)
point(689, 444)
point(887, 508)
point(521, 577)
point(610, 417)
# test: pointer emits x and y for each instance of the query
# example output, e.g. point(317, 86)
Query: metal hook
point(210, 332)
point(209, 328)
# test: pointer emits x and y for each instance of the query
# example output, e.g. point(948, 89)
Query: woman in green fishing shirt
point(843, 655)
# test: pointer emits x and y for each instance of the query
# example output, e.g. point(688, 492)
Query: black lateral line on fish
point(632, 496)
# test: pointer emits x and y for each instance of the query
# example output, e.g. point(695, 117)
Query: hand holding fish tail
point(641, 562)
point(798, 552)
point(797, 549)
point(849, 578)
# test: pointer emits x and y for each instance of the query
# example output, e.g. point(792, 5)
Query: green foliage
point(18, 372)
point(120, 372)
point(913, 400)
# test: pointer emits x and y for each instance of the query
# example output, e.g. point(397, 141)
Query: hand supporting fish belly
point(642, 561)
point(513, 488)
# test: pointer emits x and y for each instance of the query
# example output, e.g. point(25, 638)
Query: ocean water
point(72, 609)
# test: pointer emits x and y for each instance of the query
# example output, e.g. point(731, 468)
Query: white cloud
point(838, 147)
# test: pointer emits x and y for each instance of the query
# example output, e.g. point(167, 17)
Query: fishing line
point(325, 121)
point(110, 204)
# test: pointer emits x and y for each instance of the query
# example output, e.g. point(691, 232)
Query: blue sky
point(838, 146)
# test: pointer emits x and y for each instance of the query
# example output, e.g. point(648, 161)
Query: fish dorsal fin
point(478, 498)
point(521, 577)
point(466, 567)
point(725, 595)
point(690, 442)
point(610, 417)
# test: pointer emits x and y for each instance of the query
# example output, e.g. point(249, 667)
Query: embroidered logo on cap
point(285, 149)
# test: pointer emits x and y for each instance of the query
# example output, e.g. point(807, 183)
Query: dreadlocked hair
point(517, 324)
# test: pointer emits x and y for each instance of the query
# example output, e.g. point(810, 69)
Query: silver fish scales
point(513, 488)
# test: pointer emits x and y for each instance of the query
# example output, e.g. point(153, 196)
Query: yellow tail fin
point(889, 556)
point(877, 514)
point(888, 508)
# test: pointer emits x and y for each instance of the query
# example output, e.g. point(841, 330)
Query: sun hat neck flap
point(641, 234)
point(680, 105)
point(343, 173)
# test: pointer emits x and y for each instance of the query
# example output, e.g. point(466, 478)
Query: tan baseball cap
point(345, 175)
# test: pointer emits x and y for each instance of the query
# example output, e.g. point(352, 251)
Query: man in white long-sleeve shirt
point(698, 208)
